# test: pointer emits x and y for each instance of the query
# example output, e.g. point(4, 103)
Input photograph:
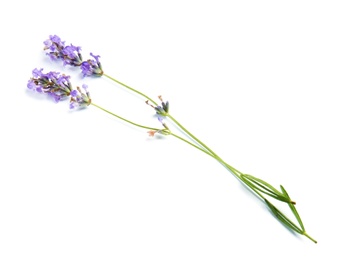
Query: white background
point(258, 81)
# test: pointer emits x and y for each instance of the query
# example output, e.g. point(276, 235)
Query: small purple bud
point(160, 118)
point(74, 93)
point(73, 105)
point(31, 84)
point(52, 56)
point(37, 73)
point(55, 97)
point(39, 89)
point(56, 39)
point(96, 57)
point(48, 44)
point(52, 75)
point(86, 69)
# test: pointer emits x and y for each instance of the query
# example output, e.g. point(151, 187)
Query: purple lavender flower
point(57, 50)
point(71, 55)
point(79, 99)
point(162, 110)
point(53, 43)
point(92, 67)
point(54, 84)
point(55, 46)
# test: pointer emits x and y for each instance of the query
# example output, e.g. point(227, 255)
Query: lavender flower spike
point(70, 55)
point(92, 67)
point(52, 83)
point(79, 99)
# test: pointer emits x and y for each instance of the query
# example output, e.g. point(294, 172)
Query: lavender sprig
point(259, 187)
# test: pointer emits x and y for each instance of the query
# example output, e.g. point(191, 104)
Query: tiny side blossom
point(152, 132)
point(92, 66)
point(161, 110)
point(79, 99)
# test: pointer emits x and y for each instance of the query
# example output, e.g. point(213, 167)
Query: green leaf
point(293, 209)
point(264, 187)
point(282, 218)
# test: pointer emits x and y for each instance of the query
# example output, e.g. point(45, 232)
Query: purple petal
point(63, 79)
point(31, 84)
point(47, 43)
point(160, 119)
point(39, 89)
point(70, 51)
point(73, 105)
point(74, 93)
point(37, 73)
point(52, 75)
point(86, 68)
point(52, 56)
point(96, 57)
point(56, 97)
point(56, 39)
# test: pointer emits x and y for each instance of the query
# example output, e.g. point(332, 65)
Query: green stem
point(128, 121)
point(191, 135)
point(313, 240)
point(193, 145)
point(130, 88)
point(151, 128)
point(231, 168)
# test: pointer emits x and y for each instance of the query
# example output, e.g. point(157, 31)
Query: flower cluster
point(58, 86)
point(71, 55)
point(161, 110)
point(52, 83)
point(79, 99)
point(92, 66)
point(57, 50)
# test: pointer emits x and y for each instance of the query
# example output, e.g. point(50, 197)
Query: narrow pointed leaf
point(262, 184)
point(264, 187)
point(293, 209)
point(282, 218)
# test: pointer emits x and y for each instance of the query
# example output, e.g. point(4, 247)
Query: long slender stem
point(231, 168)
point(151, 128)
point(191, 135)
point(155, 103)
point(124, 119)
point(130, 88)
